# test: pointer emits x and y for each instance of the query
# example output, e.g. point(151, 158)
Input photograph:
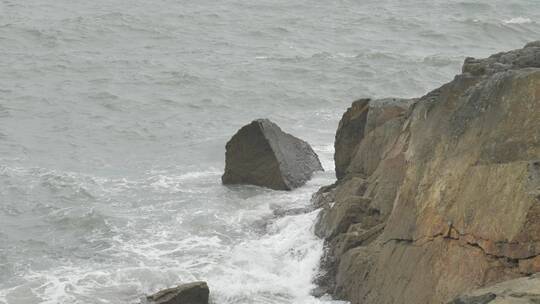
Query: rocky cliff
point(440, 195)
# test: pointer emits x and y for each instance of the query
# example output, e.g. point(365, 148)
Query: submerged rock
point(442, 197)
point(192, 293)
point(262, 154)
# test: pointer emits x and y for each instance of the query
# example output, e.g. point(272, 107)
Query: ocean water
point(114, 116)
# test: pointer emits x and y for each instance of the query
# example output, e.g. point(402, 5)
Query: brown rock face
point(358, 121)
point(192, 293)
point(262, 154)
point(456, 183)
point(356, 207)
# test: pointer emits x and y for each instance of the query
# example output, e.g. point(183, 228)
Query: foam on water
point(257, 258)
point(517, 20)
point(280, 264)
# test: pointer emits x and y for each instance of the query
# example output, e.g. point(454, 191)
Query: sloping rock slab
point(192, 293)
point(262, 154)
point(522, 290)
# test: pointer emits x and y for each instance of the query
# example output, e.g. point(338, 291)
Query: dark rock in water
point(192, 293)
point(290, 212)
point(318, 292)
point(262, 154)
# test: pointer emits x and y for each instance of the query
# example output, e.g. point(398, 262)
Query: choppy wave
point(106, 259)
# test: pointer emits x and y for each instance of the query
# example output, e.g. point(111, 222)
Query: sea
point(114, 116)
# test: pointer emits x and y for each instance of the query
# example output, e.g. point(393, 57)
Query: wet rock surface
point(440, 196)
point(262, 154)
point(192, 293)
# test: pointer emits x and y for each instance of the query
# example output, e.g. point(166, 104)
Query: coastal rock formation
point(524, 290)
point(262, 154)
point(441, 196)
point(356, 207)
point(192, 293)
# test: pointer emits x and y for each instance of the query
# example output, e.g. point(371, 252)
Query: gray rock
point(192, 293)
point(524, 290)
point(262, 154)
point(533, 44)
point(527, 57)
point(481, 299)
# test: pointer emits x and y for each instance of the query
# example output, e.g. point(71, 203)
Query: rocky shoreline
point(437, 199)
point(440, 195)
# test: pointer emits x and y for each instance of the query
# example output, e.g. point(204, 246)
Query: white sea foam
point(276, 267)
point(517, 20)
point(243, 264)
point(168, 183)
